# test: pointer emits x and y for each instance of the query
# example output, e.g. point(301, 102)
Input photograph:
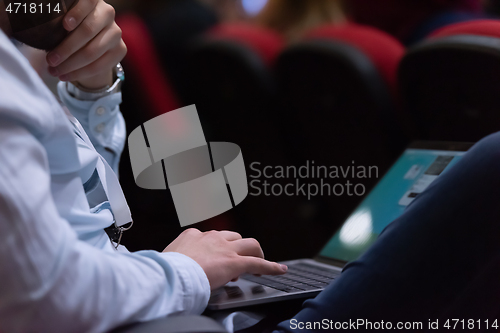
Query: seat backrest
point(235, 93)
point(230, 71)
point(338, 100)
point(450, 82)
point(147, 94)
point(382, 50)
point(266, 43)
point(233, 87)
point(337, 87)
point(476, 28)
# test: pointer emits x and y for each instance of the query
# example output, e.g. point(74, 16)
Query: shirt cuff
point(101, 119)
point(194, 281)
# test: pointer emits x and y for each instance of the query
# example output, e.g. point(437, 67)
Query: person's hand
point(93, 47)
point(224, 255)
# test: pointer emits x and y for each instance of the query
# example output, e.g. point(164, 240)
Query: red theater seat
point(233, 87)
point(478, 28)
point(235, 92)
point(338, 87)
point(143, 64)
point(382, 50)
point(230, 71)
point(267, 44)
point(338, 101)
point(148, 93)
point(450, 82)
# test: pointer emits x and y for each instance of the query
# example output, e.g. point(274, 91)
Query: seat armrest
point(177, 324)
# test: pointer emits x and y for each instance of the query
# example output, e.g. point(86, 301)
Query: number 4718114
point(32, 8)
point(470, 324)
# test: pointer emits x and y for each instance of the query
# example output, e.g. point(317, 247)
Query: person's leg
point(433, 258)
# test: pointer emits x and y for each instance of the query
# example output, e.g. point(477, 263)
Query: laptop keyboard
point(299, 277)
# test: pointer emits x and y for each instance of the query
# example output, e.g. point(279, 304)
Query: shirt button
point(100, 128)
point(100, 111)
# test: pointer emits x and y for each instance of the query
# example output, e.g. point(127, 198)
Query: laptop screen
point(412, 173)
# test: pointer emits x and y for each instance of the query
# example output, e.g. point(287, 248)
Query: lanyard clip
point(115, 233)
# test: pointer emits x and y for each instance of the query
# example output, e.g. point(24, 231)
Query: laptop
point(419, 165)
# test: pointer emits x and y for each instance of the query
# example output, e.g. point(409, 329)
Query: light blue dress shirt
point(59, 271)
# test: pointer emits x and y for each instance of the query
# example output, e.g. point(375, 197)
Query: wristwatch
point(84, 94)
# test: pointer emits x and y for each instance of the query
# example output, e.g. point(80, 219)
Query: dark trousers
point(440, 260)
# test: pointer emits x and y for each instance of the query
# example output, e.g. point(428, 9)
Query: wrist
point(97, 86)
point(97, 82)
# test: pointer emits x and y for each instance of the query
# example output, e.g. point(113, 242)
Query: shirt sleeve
point(53, 282)
point(102, 121)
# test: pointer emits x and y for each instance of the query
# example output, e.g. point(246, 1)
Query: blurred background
point(290, 81)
